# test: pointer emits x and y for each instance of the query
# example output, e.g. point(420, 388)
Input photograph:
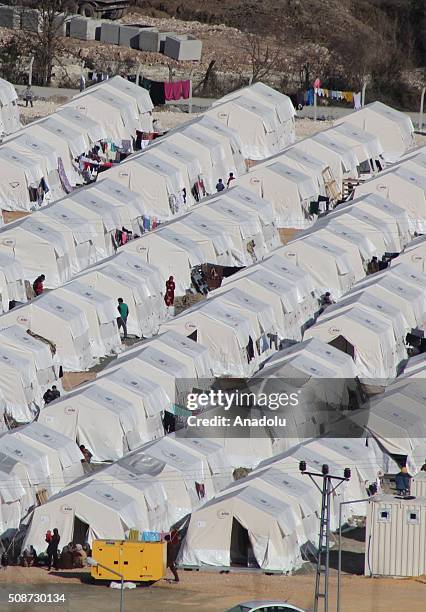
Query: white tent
point(40, 353)
point(65, 140)
point(63, 454)
point(289, 190)
point(101, 312)
point(368, 338)
point(393, 128)
point(9, 112)
point(19, 172)
point(414, 254)
point(365, 145)
point(15, 496)
point(216, 531)
point(224, 331)
point(333, 268)
point(404, 187)
point(347, 160)
point(12, 281)
point(387, 221)
point(45, 157)
point(211, 236)
point(40, 248)
point(222, 157)
point(172, 254)
point(170, 373)
point(137, 282)
point(119, 104)
point(113, 192)
point(264, 119)
point(106, 416)
point(186, 161)
point(158, 182)
point(242, 226)
point(107, 512)
point(208, 125)
point(61, 324)
point(95, 130)
point(308, 163)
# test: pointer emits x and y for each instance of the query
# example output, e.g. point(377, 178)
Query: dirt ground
point(207, 591)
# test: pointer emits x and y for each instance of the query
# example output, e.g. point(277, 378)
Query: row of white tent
point(43, 152)
point(166, 480)
point(114, 111)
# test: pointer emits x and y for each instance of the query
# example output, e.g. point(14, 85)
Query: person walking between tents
point(231, 178)
point(169, 297)
point(220, 186)
point(38, 284)
point(28, 96)
point(52, 550)
point(172, 540)
point(123, 310)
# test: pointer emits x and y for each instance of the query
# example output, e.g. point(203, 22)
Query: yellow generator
point(135, 561)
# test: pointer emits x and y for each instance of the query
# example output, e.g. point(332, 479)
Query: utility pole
point(422, 99)
point(327, 489)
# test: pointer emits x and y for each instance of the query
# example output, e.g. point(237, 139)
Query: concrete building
point(85, 29)
point(110, 33)
point(183, 47)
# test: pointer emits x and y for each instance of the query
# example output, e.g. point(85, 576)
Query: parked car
point(265, 606)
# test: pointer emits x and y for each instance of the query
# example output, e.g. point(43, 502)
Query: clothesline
point(162, 91)
point(306, 98)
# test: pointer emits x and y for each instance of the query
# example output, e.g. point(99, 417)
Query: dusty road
point(209, 592)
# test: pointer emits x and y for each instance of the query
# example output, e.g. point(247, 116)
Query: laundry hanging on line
point(161, 91)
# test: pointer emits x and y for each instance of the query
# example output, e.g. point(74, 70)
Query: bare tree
point(45, 44)
point(265, 56)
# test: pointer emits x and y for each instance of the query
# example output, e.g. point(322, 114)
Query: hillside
point(341, 40)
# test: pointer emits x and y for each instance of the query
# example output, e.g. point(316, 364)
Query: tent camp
point(393, 128)
point(290, 191)
point(404, 187)
point(21, 172)
point(263, 118)
point(9, 112)
point(264, 124)
point(40, 248)
point(59, 323)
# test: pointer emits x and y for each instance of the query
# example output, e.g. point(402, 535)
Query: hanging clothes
point(186, 89)
point(357, 101)
point(168, 91)
point(177, 90)
point(157, 93)
point(63, 177)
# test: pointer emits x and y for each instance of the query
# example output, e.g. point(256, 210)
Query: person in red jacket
point(169, 298)
point(38, 285)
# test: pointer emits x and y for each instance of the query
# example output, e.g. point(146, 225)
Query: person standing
point(28, 96)
point(169, 297)
point(403, 482)
point(38, 284)
point(55, 392)
point(52, 550)
point(231, 178)
point(123, 310)
point(172, 540)
point(220, 186)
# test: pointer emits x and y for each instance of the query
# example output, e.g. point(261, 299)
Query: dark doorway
point(80, 531)
point(193, 336)
point(343, 345)
point(241, 553)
